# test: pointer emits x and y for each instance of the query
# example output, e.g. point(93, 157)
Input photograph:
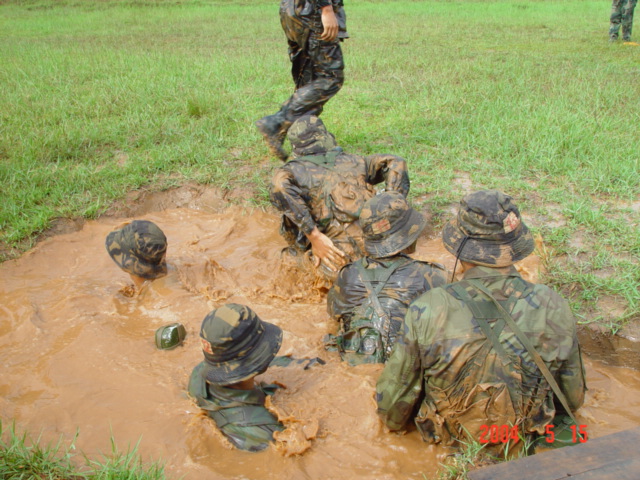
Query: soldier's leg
point(627, 19)
point(616, 17)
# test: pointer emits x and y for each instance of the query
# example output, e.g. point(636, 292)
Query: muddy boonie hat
point(139, 248)
point(488, 231)
point(170, 336)
point(237, 344)
point(309, 136)
point(389, 224)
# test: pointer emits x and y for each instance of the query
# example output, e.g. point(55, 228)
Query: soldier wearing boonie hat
point(237, 346)
point(463, 359)
point(371, 296)
point(321, 190)
point(139, 248)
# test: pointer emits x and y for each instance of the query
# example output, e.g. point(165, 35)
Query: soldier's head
point(488, 231)
point(236, 344)
point(389, 225)
point(309, 136)
point(139, 248)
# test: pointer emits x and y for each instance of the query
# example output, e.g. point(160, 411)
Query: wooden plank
point(606, 458)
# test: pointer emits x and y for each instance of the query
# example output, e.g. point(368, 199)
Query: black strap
point(527, 344)
point(373, 292)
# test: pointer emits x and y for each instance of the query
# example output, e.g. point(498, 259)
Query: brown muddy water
point(77, 354)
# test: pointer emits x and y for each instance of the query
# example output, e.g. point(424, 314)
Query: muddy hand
point(330, 24)
point(325, 251)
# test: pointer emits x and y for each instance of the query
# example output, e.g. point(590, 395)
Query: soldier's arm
point(400, 385)
point(346, 293)
point(286, 196)
point(329, 23)
point(388, 168)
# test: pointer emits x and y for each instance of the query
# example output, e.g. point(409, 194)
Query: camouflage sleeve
point(570, 375)
point(434, 276)
point(388, 168)
point(400, 385)
point(347, 292)
point(287, 196)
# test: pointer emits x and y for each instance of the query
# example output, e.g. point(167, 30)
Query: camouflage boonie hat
point(170, 336)
point(237, 344)
point(139, 248)
point(488, 231)
point(309, 136)
point(389, 224)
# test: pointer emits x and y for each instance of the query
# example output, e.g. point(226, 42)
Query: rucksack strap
point(527, 344)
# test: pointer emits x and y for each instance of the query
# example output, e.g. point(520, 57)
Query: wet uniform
point(239, 414)
point(349, 297)
point(442, 361)
point(328, 191)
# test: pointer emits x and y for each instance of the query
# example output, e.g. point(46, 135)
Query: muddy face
point(77, 353)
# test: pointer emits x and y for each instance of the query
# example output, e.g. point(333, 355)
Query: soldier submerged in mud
point(321, 191)
point(492, 349)
point(237, 346)
point(371, 296)
point(139, 248)
point(314, 30)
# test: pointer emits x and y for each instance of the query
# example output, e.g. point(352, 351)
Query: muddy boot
point(274, 132)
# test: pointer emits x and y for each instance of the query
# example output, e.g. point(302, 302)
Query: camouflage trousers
point(622, 14)
point(317, 68)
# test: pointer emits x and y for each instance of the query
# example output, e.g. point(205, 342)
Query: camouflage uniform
point(317, 66)
point(389, 226)
point(622, 14)
point(445, 366)
point(237, 346)
point(326, 188)
point(139, 248)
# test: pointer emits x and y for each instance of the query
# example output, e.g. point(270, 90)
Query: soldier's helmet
point(309, 136)
point(488, 230)
point(139, 248)
point(389, 224)
point(236, 344)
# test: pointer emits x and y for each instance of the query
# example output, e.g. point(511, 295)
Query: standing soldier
point(621, 14)
point(314, 30)
point(371, 296)
point(321, 191)
point(490, 350)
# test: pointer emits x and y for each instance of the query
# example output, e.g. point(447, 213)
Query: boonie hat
point(170, 336)
point(309, 136)
point(488, 230)
point(237, 344)
point(139, 248)
point(389, 224)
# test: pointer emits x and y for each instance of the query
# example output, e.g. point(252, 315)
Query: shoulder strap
point(527, 344)
point(373, 292)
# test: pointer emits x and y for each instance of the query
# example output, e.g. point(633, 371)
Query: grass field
point(101, 97)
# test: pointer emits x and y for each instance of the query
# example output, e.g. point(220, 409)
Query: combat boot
point(274, 131)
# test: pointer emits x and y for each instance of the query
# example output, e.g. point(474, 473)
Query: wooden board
point(612, 457)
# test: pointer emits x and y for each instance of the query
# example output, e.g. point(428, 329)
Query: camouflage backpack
point(366, 338)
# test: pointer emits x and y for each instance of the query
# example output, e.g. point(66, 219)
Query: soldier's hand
point(329, 23)
point(325, 251)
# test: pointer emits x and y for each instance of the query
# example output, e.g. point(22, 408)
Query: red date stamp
point(498, 433)
point(578, 433)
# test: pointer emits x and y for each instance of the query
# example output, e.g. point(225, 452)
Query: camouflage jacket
point(239, 414)
point(442, 360)
point(409, 280)
point(311, 194)
point(306, 14)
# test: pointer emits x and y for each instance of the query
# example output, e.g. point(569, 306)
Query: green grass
point(23, 458)
point(98, 98)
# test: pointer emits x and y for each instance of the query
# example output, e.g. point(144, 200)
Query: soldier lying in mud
point(139, 248)
point(371, 296)
point(237, 346)
point(321, 191)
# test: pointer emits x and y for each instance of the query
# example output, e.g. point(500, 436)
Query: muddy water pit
point(78, 354)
